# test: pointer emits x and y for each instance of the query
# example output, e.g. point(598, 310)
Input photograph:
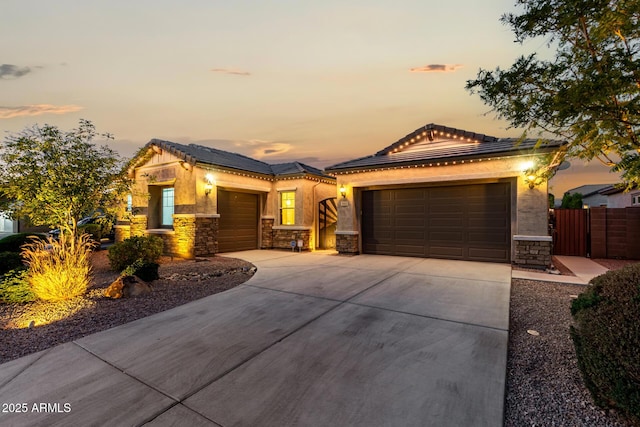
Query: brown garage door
point(467, 222)
point(238, 227)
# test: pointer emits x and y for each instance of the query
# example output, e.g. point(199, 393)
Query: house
point(202, 201)
point(617, 197)
point(441, 192)
point(591, 195)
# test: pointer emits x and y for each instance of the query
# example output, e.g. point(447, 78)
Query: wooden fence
point(571, 232)
point(597, 232)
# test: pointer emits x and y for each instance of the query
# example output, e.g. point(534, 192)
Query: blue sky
point(319, 82)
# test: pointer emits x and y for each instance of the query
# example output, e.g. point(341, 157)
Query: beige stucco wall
point(621, 200)
point(531, 205)
point(163, 169)
point(189, 182)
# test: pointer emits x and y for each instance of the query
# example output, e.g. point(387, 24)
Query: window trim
point(167, 224)
point(291, 208)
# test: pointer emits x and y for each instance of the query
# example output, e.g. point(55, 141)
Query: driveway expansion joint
point(44, 352)
point(175, 399)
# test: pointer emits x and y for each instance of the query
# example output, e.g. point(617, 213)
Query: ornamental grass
point(59, 269)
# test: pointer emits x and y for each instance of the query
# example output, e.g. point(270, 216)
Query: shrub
point(607, 338)
point(59, 269)
point(93, 230)
point(14, 287)
point(147, 271)
point(9, 261)
point(13, 242)
point(123, 254)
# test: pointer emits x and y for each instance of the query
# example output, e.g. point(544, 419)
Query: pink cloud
point(231, 71)
point(36, 110)
point(436, 68)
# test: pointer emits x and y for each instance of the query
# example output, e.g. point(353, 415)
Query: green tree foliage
point(571, 201)
point(588, 93)
point(55, 177)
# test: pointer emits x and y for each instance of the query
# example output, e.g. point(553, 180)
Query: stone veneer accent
point(267, 233)
point(206, 234)
point(123, 231)
point(282, 238)
point(347, 244)
point(533, 251)
point(168, 241)
point(138, 226)
point(184, 243)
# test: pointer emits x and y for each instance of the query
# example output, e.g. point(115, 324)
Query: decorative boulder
point(127, 286)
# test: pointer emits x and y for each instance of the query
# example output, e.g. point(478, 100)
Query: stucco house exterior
point(617, 197)
point(592, 195)
point(202, 201)
point(441, 192)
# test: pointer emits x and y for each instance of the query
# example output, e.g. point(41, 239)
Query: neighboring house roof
point(195, 154)
point(589, 189)
point(615, 189)
point(440, 143)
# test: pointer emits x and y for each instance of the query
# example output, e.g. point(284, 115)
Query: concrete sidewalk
point(311, 340)
point(583, 268)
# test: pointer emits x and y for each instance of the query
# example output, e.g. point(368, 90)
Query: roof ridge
point(430, 131)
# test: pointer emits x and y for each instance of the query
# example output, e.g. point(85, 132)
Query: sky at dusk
point(278, 80)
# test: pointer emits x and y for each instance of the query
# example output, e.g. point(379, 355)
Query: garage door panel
point(449, 252)
point(409, 250)
point(456, 222)
point(481, 254)
point(440, 236)
point(487, 237)
point(493, 223)
point(410, 210)
point(446, 222)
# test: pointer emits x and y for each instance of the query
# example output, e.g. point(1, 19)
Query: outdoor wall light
point(343, 192)
point(533, 180)
point(208, 184)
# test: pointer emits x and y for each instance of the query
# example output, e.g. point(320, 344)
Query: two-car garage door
point(466, 222)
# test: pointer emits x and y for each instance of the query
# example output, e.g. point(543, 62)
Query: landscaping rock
point(127, 286)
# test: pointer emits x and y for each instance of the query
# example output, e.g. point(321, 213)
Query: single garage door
point(238, 226)
point(466, 222)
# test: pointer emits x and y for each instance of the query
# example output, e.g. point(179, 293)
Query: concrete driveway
point(313, 339)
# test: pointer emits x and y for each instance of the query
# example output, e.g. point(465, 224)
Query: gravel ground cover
point(544, 386)
point(181, 281)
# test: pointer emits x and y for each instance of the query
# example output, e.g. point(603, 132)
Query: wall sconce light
point(208, 184)
point(533, 180)
point(343, 192)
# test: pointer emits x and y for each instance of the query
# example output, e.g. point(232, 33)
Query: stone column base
point(347, 244)
point(138, 227)
point(123, 232)
point(206, 234)
point(267, 233)
point(533, 251)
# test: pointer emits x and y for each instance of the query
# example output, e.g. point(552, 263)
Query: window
point(129, 203)
point(288, 208)
point(635, 199)
point(166, 217)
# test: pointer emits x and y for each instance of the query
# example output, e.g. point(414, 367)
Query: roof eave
point(439, 160)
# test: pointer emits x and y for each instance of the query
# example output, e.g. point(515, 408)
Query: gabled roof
point(615, 189)
point(589, 189)
point(440, 143)
point(198, 154)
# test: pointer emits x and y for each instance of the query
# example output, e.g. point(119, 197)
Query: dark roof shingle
point(433, 143)
point(194, 153)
